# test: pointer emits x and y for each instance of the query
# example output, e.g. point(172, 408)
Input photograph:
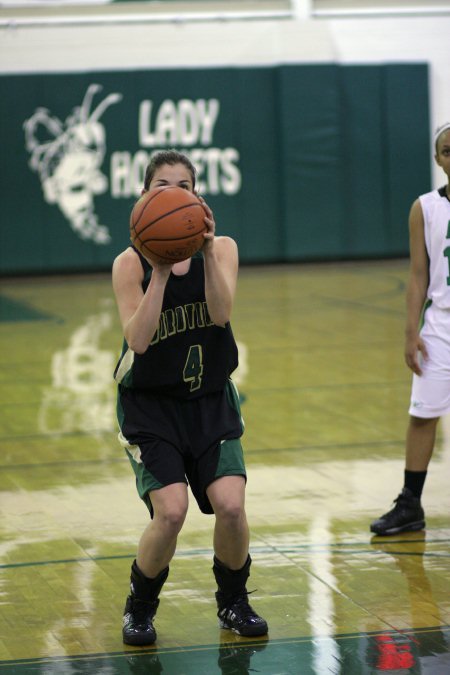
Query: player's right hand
point(415, 352)
point(159, 267)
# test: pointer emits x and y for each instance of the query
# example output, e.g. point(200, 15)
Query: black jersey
point(189, 356)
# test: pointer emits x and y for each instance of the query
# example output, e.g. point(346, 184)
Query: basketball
point(166, 224)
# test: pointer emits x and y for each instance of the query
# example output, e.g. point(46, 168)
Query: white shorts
point(430, 393)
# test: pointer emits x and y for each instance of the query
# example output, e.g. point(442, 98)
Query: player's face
point(443, 152)
point(174, 175)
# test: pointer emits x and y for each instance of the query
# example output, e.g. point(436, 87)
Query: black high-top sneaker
point(235, 613)
point(137, 625)
point(406, 516)
point(141, 606)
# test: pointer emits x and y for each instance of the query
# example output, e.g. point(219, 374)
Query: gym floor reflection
point(325, 397)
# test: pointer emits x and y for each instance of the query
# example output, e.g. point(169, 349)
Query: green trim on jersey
point(426, 306)
point(124, 373)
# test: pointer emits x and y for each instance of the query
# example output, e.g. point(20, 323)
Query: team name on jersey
point(181, 319)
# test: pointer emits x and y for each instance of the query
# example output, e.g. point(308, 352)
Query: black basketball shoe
point(236, 614)
point(406, 516)
point(138, 618)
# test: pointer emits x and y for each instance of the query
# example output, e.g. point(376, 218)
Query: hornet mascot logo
point(67, 156)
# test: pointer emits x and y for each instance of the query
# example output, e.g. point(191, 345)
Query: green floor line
point(342, 548)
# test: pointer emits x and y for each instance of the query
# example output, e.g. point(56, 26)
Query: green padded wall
point(298, 162)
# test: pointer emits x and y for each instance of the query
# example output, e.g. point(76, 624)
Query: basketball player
point(179, 412)
point(427, 342)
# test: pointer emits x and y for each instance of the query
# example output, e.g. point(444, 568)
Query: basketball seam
point(164, 215)
point(185, 236)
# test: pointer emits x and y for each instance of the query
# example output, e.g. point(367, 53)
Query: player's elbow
point(220, 317)
point(140, 349)
point(137, 344)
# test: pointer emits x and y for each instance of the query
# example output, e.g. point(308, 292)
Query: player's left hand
point(210, 226)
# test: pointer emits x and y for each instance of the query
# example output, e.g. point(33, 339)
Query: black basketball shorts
point(192, 441)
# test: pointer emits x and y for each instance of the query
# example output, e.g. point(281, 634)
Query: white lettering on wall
point(187, 125)
point(217, 171)
point(183, 123)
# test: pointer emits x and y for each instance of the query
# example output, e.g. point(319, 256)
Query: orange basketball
point(167, 224)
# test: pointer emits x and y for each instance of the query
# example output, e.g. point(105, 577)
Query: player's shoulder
point(416, 211)
point(432, 196)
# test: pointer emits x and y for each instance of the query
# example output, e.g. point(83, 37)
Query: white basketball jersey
point(436, 214)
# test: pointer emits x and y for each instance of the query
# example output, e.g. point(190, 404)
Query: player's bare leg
point(232, 560)
point(159, 539)
point(420, 439)
point(231, 534)
point(408, 514)
point(151, 567)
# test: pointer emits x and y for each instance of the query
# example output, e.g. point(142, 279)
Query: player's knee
point(230, 511)
point(172, 518)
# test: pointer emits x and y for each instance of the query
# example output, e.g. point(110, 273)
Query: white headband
point(440, 130)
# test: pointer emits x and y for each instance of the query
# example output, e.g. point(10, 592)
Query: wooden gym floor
point(325, 395)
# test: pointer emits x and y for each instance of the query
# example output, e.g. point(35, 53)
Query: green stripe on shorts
point(145, 481)
point(231, 460)
point(233, 400)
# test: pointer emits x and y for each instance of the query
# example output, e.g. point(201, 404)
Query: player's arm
point(221, 271)
point(416, 292)
point(139, 312)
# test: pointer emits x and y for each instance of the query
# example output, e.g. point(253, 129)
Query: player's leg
point(231, 533)
point(217, 477)
point(161, 484)
point(231, 557)
point(430, 400)
point(158, 541)
point(151, 568)
point(223, 477)
point(408, 514)
point(420, 439)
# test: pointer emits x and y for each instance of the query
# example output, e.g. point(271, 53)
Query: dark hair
point(438, 133)
point(167, 157)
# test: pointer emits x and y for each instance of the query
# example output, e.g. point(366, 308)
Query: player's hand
point(415, 351)
point(161, 269)
point(210, 226)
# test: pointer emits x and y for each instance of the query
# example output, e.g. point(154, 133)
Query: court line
point(342, 548)
point(411, 633)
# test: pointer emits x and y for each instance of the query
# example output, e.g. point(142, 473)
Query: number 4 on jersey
point(193, 368)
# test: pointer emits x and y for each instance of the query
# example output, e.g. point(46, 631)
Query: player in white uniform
point(427, 342)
